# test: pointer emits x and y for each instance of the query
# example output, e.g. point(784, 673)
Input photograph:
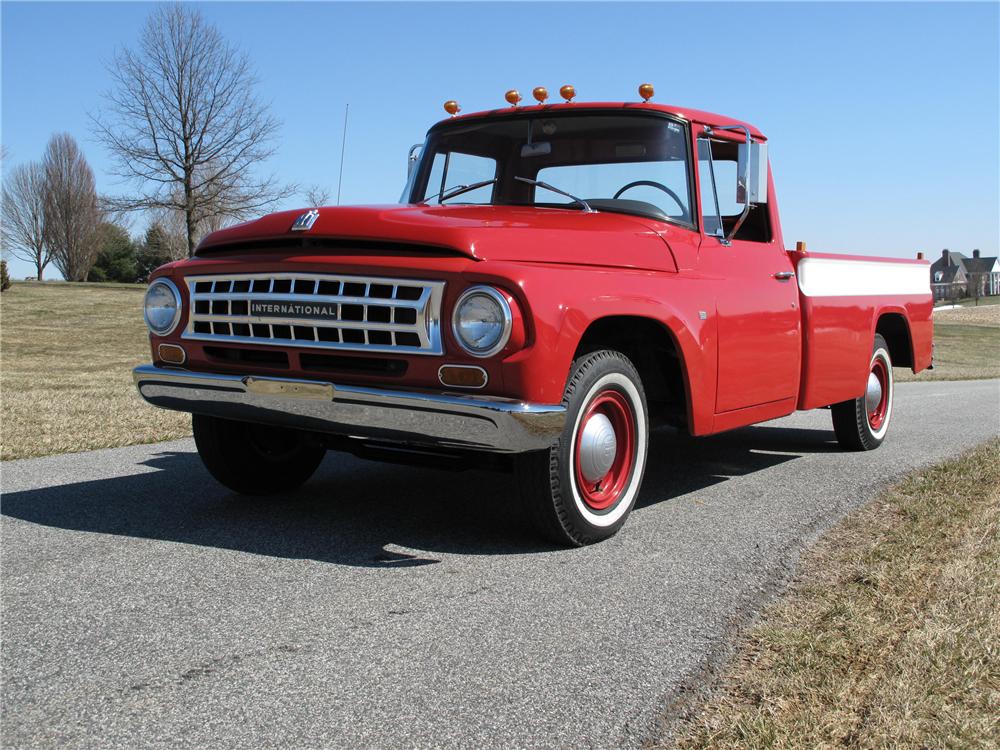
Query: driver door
point(759, 329)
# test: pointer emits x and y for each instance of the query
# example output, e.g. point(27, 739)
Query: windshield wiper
point(458, 190)
point(586, 206)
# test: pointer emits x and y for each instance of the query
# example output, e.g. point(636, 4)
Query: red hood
point(479, 232)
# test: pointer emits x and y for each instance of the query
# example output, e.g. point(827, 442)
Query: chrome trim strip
point(470, 422)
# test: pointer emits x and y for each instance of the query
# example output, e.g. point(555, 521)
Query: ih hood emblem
point(305, 221)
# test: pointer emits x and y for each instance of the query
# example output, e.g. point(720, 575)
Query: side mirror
point(413, 157)
point(751, 173)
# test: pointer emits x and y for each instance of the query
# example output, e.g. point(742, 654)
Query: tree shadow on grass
point(353, 512)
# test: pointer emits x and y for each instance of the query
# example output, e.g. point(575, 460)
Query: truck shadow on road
point(359, 513)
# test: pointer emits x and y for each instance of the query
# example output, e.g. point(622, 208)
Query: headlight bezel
point(508, 320)
point(172, 288)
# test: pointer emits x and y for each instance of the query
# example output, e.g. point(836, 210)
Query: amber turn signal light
point(540, 93)
point(451, 107)
point(462, 376)
point(567, 92)
point(171, 354)
point(646, 91)
point(512, 97)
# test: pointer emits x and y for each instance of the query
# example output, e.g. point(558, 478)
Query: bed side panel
point(841, 298)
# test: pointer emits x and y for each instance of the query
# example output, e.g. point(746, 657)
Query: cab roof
point(685, 113)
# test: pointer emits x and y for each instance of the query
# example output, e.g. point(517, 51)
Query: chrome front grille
point(354, 313)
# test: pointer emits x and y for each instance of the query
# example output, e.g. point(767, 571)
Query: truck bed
point(845, 300)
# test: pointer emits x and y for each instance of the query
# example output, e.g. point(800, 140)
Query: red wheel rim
point(606, 491)
point(876, 416)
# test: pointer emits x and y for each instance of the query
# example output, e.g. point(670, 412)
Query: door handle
point(784, 275)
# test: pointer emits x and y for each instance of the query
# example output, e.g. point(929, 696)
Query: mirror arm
point(411, 157)
point(727, 240)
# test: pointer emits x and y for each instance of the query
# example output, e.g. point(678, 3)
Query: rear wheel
point(861, 424)
point(582, 489)
point(254, 459)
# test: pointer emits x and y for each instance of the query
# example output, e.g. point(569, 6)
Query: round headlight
point(482, 321)
point(162, 307)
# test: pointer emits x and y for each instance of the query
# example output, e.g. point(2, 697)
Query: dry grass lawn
point(891, 635)
point(67, 350)
point(66, 359)
point(966, 342)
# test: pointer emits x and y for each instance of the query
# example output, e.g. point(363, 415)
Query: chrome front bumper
point(411, 417)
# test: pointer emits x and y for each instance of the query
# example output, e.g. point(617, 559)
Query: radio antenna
point(343, 147)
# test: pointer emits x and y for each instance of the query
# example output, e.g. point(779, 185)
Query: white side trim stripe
point(829, 277)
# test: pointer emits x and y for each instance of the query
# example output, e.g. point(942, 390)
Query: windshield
point(628, 163)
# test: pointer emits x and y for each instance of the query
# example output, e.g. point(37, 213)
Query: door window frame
point(709, 133)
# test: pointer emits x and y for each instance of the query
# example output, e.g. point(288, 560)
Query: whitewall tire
point(582, 489)
point(862, 423)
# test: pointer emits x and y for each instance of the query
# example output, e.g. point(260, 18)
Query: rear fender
point(916, 316)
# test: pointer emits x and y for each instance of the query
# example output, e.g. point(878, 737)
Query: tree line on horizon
point(184, 129)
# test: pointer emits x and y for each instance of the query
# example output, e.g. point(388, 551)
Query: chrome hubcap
point(873, 394)
point(598, 448)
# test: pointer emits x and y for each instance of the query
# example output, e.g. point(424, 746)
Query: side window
point(725, 187)
point(720, 209)
point(453, 169)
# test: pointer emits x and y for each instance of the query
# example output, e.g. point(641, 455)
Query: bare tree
point(72, 215)
point(316, 195)
point(174, 231)
point(975, 285)
point(182, 121)
point(23, 229)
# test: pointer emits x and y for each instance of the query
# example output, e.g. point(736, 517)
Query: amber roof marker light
point(512, 97)
point(646, 91)
point(540, 93)
point(451, 107)
point(567, 92)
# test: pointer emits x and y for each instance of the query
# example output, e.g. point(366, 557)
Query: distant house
point(953, 275)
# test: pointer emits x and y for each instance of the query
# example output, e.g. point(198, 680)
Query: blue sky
point(883, 118)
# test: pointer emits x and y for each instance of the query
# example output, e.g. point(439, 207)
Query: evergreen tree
point(116, 260)
point(154, 251)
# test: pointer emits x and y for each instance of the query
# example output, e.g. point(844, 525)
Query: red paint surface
point(837, 344)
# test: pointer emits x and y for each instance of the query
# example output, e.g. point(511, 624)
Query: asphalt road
point(384, 606)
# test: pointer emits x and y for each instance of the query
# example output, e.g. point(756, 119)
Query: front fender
point(565, 301)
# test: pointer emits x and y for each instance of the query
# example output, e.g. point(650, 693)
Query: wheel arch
point(658, 355)
point(894, 327)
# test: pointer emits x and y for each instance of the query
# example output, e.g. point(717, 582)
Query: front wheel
point(254, 459)
point(861, 424)
point(582, 489)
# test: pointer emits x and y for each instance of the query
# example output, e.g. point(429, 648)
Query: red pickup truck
point(557, 280)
